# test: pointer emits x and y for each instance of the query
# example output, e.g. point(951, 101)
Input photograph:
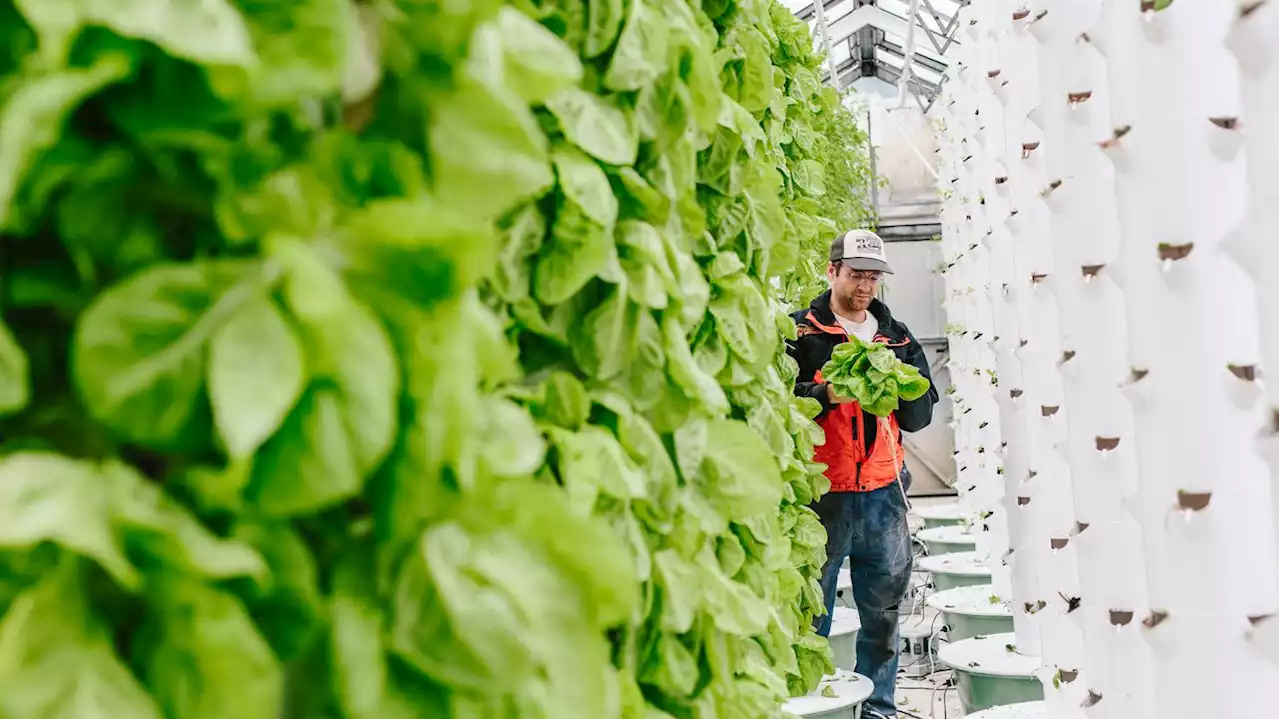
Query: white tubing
point(826, 42)
point(908, 52)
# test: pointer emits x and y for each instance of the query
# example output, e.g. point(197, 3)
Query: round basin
point(1022, 710)
point(844, 693)
point(972, 611)
point(958, 569)
point(941, 515)
point(950, 539)
point(990, 672)
point(844, 637)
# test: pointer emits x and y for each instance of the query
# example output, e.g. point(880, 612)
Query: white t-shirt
point(864, 330)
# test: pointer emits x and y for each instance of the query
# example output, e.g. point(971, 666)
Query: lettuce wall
point(409, 359)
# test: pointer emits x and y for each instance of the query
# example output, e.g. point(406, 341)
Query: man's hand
point(835, 398)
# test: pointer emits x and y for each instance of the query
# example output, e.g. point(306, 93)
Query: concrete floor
point(928, 698)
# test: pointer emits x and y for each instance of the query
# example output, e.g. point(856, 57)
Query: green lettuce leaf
point(871, 374)
point(396, 360)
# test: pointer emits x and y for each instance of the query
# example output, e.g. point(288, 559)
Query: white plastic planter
point(947, 539)
point(972, 611)
point(961, 569)
point(940, 515)
point(1232, 675)
point(1203, 494)
point(990, 672)
point(844, 637)
point(850, 691)
point(1252, 40)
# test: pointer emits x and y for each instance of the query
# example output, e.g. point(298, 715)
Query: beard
point(856, 303)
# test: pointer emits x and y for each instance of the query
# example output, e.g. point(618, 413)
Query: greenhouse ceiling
point(868, 38)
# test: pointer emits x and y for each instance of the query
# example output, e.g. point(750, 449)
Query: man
point(865, 513)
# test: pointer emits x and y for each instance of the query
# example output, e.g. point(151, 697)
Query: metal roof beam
point(922, 89)
point(864, 15)
point(936, 95)
point(807, 12)
point(847, 25)
point(928, 63)
point(944, 22)
point(864, 31)
point(948, 29)
point(866, 12)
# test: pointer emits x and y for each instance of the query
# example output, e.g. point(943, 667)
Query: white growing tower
point(1110, 175)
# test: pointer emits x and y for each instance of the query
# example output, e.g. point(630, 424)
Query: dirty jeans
point(870, 528)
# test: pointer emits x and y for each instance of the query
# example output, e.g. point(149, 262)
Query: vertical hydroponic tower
point(1110, 193)
point(1253, 40)
point(1203, 498)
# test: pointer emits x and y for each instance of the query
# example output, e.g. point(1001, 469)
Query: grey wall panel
point(915, 291)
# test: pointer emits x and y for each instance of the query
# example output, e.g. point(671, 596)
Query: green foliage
point(401, 359)
point(824, 159)
point(872, 374)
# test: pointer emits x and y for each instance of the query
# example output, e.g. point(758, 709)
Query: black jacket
point(812, 349)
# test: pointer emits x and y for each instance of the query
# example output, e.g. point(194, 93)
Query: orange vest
point(849, 467)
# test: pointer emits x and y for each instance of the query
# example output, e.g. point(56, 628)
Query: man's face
point(855, 288)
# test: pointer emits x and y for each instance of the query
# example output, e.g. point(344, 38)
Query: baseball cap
point(860, 250)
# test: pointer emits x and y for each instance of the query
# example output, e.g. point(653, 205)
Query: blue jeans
point(870, 528)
